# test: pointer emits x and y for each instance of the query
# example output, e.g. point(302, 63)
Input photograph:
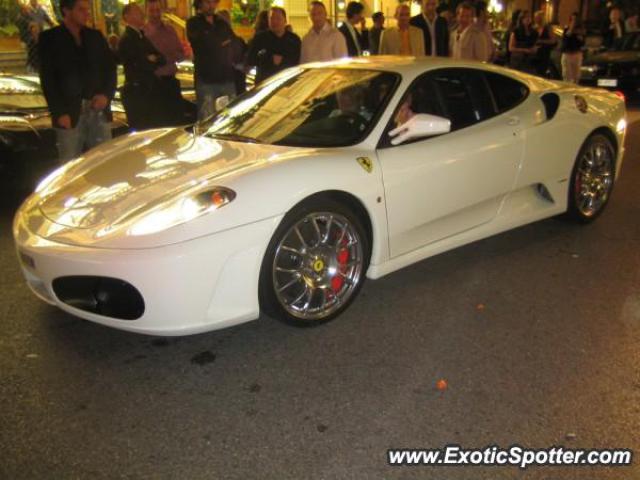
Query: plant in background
point(9, 10)
point(244, 12)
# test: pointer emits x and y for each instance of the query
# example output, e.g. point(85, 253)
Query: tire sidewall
point(573, 212)
point(266, 291)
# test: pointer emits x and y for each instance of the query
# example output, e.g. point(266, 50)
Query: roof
point(413, 66)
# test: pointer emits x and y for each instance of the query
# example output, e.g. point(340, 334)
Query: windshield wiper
point(235, 137)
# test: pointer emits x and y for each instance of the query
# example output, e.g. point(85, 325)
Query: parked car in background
point(615, 69)
point(27, 140)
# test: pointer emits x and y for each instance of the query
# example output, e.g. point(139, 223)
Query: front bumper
point(190, 287)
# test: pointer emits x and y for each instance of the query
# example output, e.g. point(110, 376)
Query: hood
point(123, 179)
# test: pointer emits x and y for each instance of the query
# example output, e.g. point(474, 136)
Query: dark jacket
point(363, 40)
point(609, 39)
point(442, 34)
point(69, 73)
point(267, 44)
point(213, 56)
point(134, 50)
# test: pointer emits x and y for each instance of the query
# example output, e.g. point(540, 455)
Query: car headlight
point(589, 69)
point(182, 210)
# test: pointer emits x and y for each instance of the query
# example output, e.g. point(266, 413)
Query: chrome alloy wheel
point(317, 265)
point(594, 178)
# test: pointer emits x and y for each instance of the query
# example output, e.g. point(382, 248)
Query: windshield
point(324, 107)
point(20, 93)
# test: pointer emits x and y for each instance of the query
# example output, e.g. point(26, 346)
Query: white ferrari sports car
point(293, 193)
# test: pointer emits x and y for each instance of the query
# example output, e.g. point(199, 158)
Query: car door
point(440, 186)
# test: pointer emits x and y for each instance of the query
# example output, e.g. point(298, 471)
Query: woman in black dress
point(522, 44)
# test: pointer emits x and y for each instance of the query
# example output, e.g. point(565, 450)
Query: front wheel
point(315, 264)
point(592, 179)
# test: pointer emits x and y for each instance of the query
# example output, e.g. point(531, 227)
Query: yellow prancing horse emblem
point(366, 163)
point(318, 265)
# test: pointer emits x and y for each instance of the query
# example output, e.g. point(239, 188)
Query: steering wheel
point(354, 120)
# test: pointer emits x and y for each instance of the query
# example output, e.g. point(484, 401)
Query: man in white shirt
point(467, 42)
point(323, 42)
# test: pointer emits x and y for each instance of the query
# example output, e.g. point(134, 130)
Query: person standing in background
point(40, 16)
point(322, 42)
point(275, 49)
point(522, 44)
point(572, 43)
point(238, 51)
point(404, 39)
point(110, 10)
point(375, 33)
point(78, 78)
point(211, 39)
point(142, 96)
point(173, 109)
point(262, 22)
point(483, 24)
point(467, 42)
point(434, 28)
point(631, 23)
point(545, 42)
point(357, 42)
point(613, 29)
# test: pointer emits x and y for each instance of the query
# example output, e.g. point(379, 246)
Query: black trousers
point(139, 101)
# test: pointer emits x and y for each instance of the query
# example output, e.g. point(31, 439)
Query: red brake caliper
point(343, 258)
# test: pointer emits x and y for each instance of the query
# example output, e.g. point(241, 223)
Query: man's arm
point(254, 48)
point(292, 56)
point(131, 52)
point(177, 46)
point(340, 46)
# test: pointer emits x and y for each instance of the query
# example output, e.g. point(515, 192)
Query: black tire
point(313, 211)
point(604, 180)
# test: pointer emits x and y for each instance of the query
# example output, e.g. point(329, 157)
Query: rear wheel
point(315, 264)
point(592, 179)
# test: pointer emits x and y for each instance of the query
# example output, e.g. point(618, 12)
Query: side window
point(507, 92)
point(461, 95)
point(465, 96)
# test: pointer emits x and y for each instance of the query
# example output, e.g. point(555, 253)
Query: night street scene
point(269, 239)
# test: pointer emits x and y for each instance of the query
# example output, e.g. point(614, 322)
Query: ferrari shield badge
point(366, 163)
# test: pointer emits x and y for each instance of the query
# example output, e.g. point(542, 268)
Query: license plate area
point(607, 82)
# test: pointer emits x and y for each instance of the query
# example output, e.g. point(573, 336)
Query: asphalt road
point(536, 331)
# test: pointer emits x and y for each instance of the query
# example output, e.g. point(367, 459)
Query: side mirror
point(420, 125)
point(222, 102)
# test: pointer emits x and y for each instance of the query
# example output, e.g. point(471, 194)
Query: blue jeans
point(91, 130)
point(207, 93)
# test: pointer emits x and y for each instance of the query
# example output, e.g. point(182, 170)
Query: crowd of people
point(78, 66)
point(531, 41)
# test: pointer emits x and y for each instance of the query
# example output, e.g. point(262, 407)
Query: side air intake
point(551, 103)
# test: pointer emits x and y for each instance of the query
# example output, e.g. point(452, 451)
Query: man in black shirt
point(142, 95)
point(78, 78)
point(212, 40)
point(275, 49)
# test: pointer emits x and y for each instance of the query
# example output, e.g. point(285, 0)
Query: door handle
point(513, 121)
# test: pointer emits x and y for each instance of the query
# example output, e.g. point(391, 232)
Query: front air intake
point(109, 297)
